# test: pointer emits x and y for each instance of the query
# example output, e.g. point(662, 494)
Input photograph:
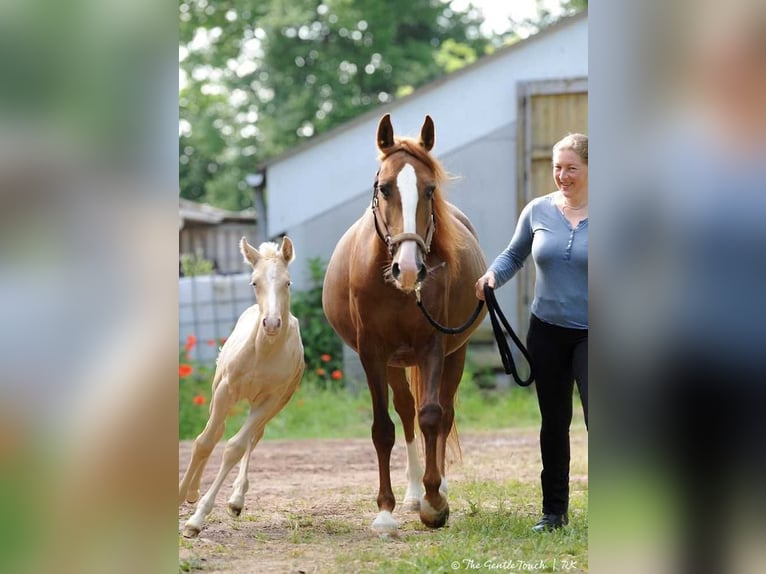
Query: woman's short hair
point(578, 143)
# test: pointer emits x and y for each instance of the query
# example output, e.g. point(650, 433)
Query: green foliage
point(261, 77)
point(323, 350)
point(193, 265)
point(453, 55)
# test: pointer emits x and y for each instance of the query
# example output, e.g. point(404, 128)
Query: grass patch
point(316, 411)
point(490, 529)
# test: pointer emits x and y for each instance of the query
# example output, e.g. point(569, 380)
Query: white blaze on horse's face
point(407, 267)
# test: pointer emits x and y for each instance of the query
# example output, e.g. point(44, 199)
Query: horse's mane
point(447, 239)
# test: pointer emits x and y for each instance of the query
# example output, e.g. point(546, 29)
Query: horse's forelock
point(412, 147)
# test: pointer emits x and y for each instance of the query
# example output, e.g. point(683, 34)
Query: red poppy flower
point(211, 342)
point(337, 375)
point(185, 370)
point(223, 340)
point(321, 372)
point(191, 340)
point(326, 358)
point(199, 400)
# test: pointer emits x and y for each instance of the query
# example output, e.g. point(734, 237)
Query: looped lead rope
point(442, 328)
point(496, 316)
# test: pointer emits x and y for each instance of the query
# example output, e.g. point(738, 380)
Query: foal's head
point(406, 200)
point(271, 280)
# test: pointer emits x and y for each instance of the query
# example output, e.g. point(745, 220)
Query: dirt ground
point(300, 490)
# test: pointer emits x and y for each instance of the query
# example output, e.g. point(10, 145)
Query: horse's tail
point(417, 388)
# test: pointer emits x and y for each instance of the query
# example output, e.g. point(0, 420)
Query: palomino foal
point(262, 362)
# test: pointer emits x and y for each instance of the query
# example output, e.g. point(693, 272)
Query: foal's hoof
point(233, 509)
point(191, 531)
point(192, 496)
point(431, 517)
point(411, 504)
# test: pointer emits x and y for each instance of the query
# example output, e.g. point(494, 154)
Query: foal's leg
point(241, 485)
point(267, 412)
point(434, 509)
point(235, 450)
point(404, 404)
point(204, 444)
point(383, 437)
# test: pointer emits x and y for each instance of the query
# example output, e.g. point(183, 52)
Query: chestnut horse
point(261, 362)
point(411, 241)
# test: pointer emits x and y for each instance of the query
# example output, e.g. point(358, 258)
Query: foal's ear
point(249, 252)
point(427, 134)
point(288, 253)
point(385, 133)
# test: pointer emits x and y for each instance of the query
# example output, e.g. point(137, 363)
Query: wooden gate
point(548, 110)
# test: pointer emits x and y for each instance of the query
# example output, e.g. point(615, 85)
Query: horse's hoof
point(431, 517)
point(385, 525)
point(191, 531)
point(411, 504)
point(234, 510)
point(192, 497)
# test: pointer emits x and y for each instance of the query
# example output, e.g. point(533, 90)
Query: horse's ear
point(288, 253)
point(427, 134)
point(249, 252)
point(385, 133)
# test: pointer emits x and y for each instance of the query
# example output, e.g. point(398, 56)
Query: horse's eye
point(289, 283)
point(385, 189)
point(430, 190)
point(252, 283)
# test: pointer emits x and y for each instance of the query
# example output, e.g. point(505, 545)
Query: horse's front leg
point(434, 509)
point(383, 437)
point(453, 372)
point(404, 403)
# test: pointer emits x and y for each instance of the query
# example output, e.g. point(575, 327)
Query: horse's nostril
point(422, 272)
point(395, 271)
point(264, 321)
point(279, 323)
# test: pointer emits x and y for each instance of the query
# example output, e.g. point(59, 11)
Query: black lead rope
point(496, 317)
point(509, 365)
point(442, 328)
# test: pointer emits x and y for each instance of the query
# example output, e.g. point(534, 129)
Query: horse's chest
point(402, 356)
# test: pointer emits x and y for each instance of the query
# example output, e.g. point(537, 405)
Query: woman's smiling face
point(570, 174)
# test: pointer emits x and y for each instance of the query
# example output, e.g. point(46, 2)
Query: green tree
point(261, 77)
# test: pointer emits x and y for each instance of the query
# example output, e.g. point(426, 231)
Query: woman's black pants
point(560, 358)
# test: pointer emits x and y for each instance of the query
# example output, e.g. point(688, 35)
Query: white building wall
point(465, 107)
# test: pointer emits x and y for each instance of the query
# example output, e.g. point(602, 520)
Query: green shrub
point(323, 349)
point(193, 265)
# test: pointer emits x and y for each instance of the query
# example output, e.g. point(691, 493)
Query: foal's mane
point(269, 250)
point(447, 240)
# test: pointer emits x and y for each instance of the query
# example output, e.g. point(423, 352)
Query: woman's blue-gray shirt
point(560, 254)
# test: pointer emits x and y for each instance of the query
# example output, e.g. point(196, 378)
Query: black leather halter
point(392, 242)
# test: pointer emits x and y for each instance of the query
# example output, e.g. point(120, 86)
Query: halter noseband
point(392, 242)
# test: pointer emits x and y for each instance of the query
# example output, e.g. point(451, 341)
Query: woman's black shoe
point(551, 522)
